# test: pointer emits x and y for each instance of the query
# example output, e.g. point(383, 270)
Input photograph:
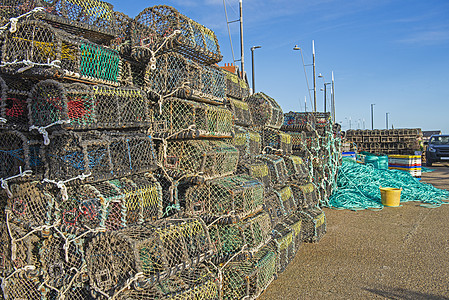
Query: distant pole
point(314, 77)
point(252, 61)
point(241, 39)
point(372, 116)
point(305, 103)
point(386, 120)
point(325, 93)
point(333, 97)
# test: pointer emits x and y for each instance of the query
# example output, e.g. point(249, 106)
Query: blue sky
point(394, 53)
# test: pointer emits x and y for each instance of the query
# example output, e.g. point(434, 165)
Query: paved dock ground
point(396, 253)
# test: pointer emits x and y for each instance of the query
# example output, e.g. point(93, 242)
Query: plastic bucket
point(390, 196)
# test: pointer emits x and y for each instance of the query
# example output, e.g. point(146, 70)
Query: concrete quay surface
point(395, 253)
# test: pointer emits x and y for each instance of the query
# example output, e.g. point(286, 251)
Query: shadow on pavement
point(403, 294)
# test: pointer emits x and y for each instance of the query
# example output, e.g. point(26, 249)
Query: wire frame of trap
point(178, 118)
point(248, 279)
point(275, 141)
point(238, 195)
point(298, 143)
point(265, 111)
point(24, 284)
point(287, 200)
point(284, 238)
point(298, 121)
point(296, 168)
point(294, 222)
point(247, 141)
point(236, 88)
point(102, 155)
point(13, 101)
point(124, 27)
point(305, 195)
point(162, 28)
point(273, 206)
point(174, 74)
point(85, 107)
point(240, 111)
point(36, 49)
point(207, 159)
point(92, 19)
point(258, 170)
point(313, 225)
point(277, 168)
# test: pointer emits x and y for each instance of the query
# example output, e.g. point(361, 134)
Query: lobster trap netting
point(175, 75)
point(305, 195)
point(13, 101)
point(122, 41)
point(178, 118)
point(265, 111)
point(36, 49)
point(288, 202)
point(248, 279)
point(92, 19)
point(294, 222)
point(75, 291)
point(195, 283)
point(284, 238)
point(298, 121)
point(258, 170)
point(296, 168)
point(313, 226)
point(79, 106)
point(236, 196)
point(240, 111)
point(273, 206)
point(236, 87)
point(21, 156)
point(275, 141)
point(162, 28)
point(199, 158)
point(247, 141)
point(96, 156)
point(277, 167)
point(22, 284)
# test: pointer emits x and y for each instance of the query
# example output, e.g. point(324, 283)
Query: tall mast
point(241, 40)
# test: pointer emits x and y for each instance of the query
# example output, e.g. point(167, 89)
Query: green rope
point(358, 188)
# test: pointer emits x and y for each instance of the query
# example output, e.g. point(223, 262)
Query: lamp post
point(325, 91)
point(372, 116)
point(252, 61)
point(386, 119)
point(305, 73)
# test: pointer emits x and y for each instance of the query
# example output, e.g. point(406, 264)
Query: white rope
point(13, 21)
point(43, 130)
point(3, 120)
point(4, 181)
point(62, 184)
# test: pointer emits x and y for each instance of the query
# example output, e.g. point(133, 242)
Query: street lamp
point(386, 119)
point(325, 91)
point(372, 116)
point(252, 61)
point(305, 73)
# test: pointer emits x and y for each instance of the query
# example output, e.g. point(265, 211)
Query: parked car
point(437, 149)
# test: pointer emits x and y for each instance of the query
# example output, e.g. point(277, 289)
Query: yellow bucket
point(390, 196)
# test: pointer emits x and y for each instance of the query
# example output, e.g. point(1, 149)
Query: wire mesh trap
point(236, 87)
point(175, 75)
point(275, 141)
point(178, 118)
point(277, 167)
point(36, 49)
point(92, 19)
point(296, 168)
point(84, 107)
point(238, 196)
point(23, 284)
point(294, 222)
point(265, 111)
point(284, 238)
point(162, 28)
point(157, 252)
point(72, 155)
point(248, 279)
point(207, 159)
point(240, 111)
point(298, 121)
point(288, 202)
point(247, 141)
point(122, 41)
point(305, 195)
point(298, 143)
point(273, 206)
point(313, 226)
point(258, 170)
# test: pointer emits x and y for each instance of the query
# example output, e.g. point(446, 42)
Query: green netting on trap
point(36, 49)
point(240, 111)
point(284, 238)
point(247, 141)
point(298, 121)
point(22, 284)
point(313, 225)
point(237, 88)
point(178, 118)
point(296, 168)
point(288, 202)
point(175, 75)
point(265, 111)
point(104, 156)
point(237, 196)
point(305, 195)
point(277, 167)
point(275, 141)
point(81, 106)
point(156, 252)
point(162, 28)
point(92, 19)
point(13, 101)
point(248, 279)
point(199, 158)
point(21, 156)
point(258, 170)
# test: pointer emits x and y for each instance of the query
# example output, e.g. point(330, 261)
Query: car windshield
point(440, 140)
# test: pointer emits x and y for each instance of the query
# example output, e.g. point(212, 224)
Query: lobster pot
point(313, 224)
point(274, 141)
point(277, 167)
point(103, 156)
point(92, 19)
point(305, 195)
point(202, 158)
point(22, 285)
point(284, 237)
point(157, 252)
point(36, 49)
point(288, 203)
point(86, 107)
point(265, 111)
point(181, 77)
point(163, 29)
point(122, 41)
point(247, 141)
point(298, 121)
point(249, 278)
point(13, 101)
point(322, 122)
point(294, 222)
point(240, 194)
point(240, 111)
point(236, 87)
point(273, 206)
point(76, 291)
point(296, 168)
point(179, 118)
point(20, 152)
point(258, 170)
point(195, 283)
